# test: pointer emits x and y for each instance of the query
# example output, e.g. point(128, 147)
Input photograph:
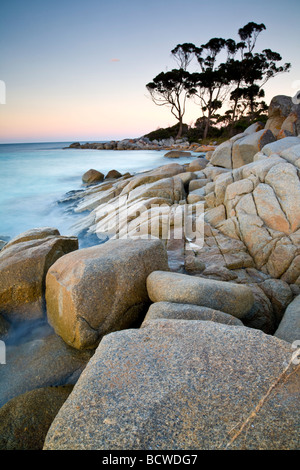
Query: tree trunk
point(233, 118)
point(206, 128)
point(179, 134)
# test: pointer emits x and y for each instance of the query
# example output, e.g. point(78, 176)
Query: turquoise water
point(34, 176)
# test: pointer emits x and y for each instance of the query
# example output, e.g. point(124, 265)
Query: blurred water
point(34, 176)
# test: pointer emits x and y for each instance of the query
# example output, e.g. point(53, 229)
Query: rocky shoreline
point(175, 322)
point(144, 143)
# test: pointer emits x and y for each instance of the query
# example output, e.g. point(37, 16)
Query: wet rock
point(75, 145)
point(24, 263)
point(113, 174)
point(92, 176)
point(43, 362)
point(177, 154)
point(26, 419)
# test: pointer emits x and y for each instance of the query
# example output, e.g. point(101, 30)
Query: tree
point(210, 85)
point(249, 34)
point(237, 81)
point(252, 71)
point(171, 89)
point(183, 54)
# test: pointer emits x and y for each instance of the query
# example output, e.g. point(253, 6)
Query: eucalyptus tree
point(171, 89)
point(251, 71)
point(183, 54)
point(210, 85)
point(228, 71)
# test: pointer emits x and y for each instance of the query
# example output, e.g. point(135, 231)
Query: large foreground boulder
point(24, 263)
point(101, 289)
point(230, 298)
point(183, 385)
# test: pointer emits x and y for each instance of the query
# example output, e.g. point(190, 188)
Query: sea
point(35, 176)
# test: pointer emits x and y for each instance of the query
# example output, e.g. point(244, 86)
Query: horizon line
point(65, 141)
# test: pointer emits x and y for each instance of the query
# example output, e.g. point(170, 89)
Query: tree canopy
point(236, 82)
point(171, 89)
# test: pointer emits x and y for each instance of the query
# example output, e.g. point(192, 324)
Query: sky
point(76, 70)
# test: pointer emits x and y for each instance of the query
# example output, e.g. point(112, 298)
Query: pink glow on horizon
point(134, 116)
point(78, 70)
point(66, 125)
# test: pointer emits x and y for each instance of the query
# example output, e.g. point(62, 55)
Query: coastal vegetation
point(228, 84)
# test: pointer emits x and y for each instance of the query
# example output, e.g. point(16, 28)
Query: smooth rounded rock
point(113, 174)
point(92, 176)
point(177, 154)
point(174, 311)
point(101, 289)
point(228, 297)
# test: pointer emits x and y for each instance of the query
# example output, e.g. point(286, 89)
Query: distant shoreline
point(144, 143)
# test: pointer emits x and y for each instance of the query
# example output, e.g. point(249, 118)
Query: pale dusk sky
point(77, 70)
